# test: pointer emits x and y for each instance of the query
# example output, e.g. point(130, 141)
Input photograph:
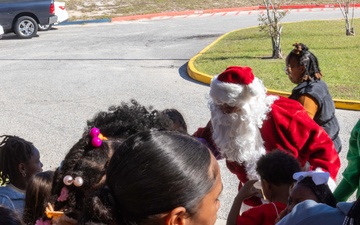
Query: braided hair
point(307, 59)
point(13, 151)
point(321, 191)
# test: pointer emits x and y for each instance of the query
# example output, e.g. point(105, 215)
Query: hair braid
point(308, 60)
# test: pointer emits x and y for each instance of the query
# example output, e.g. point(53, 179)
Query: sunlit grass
point(337, 53)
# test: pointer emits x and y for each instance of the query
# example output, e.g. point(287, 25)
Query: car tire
point(44, 27)
point(25, 27)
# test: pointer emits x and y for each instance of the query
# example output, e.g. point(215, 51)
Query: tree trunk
point(276, 43)
point(344, 8)
point(274, 30)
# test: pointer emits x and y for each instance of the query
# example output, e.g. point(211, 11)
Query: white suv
point(1, 31)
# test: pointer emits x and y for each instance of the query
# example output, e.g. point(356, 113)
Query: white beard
point(237, 135)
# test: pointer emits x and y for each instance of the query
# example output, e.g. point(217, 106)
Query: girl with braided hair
point(310, 212)
point(19, 160)
point(310, 185)
point(302, 68)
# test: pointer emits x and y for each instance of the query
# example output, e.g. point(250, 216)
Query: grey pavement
point(50, 85)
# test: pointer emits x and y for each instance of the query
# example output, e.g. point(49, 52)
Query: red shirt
point(261, 215)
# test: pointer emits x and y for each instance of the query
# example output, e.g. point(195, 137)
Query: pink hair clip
point(97, 137)
point(42, 222)
point(64, 194)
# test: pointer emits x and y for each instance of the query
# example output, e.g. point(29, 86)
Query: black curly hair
point(89, 162)
point(277, 167)
point(306, 58)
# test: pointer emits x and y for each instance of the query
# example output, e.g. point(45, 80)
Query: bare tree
point(270, 23)
point(344, 6)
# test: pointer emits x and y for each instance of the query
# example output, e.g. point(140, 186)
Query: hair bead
point(96, 142)
point(97, 137)
point(94, 132)
point(68, 180)
point(78, 182)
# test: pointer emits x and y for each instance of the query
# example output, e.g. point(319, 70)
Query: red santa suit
point(286, 127)
point(265, 214)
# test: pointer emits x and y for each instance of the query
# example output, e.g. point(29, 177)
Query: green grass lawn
point(338, 55)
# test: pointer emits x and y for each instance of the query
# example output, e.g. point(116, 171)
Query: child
point(310, 212)
point(311, 185)
point(83, 170)
point(158, 177)
point(351, 175)
point(37, 196)
point(19, 160)
point(302, 67)
point(275, 170)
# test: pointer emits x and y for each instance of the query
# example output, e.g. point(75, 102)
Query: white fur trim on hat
point(234, 94)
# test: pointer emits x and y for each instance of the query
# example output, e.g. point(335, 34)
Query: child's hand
point(248, 190)
point(282, 214)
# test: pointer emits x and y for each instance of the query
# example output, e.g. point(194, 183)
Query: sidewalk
point(220, 222)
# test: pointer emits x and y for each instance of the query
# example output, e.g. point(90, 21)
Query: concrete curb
point(82, 22)
point(206, 78)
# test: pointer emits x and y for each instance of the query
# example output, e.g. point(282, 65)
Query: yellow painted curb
point(206, 78)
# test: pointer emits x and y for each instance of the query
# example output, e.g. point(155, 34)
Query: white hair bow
point(318, 177)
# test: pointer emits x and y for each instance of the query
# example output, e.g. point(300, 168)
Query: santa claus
point(247, 123)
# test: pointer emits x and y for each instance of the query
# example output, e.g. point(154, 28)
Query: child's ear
point(177, 216)
point(266, 185)
point(303, 69)
point(22, 169)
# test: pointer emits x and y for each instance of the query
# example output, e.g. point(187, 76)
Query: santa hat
point(235, 85)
